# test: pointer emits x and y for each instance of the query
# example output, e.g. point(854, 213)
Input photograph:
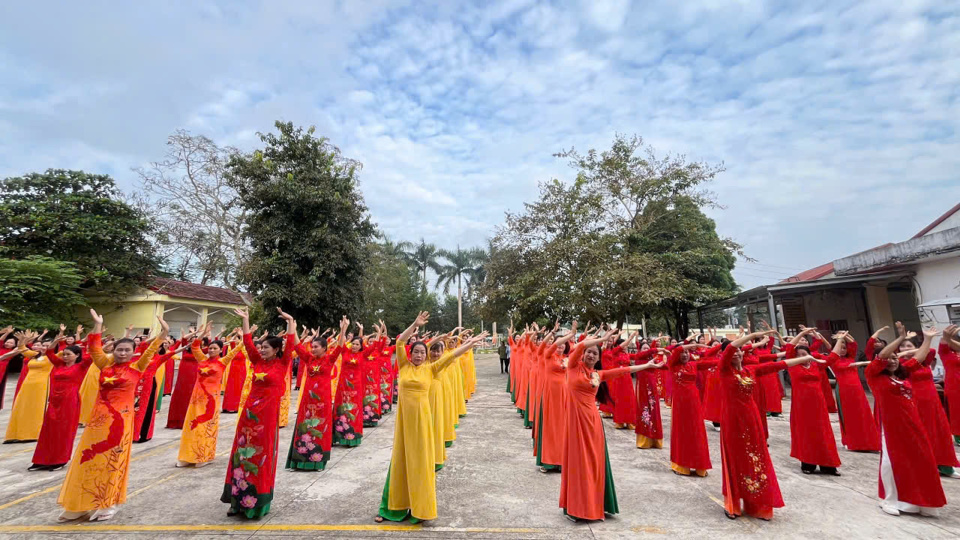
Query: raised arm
point(422, 319)
point(144, 361)
point(894, 345)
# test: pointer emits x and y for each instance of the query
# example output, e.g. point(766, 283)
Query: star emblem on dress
point(260, 376)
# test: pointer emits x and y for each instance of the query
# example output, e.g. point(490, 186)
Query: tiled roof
point(811, 274)
point(193, 291)
point(822, 270)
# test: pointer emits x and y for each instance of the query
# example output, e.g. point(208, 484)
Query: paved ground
point(490, 488)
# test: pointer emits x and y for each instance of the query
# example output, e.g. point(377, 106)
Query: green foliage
point(78, 217)
point(626, 238)
point(307, 226)
point(391, 289)
point(38, 292)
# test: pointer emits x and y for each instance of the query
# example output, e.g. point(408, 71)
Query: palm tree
point(421, 257)
point(463, 269)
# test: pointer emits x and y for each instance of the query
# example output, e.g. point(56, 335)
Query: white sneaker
point(103, 514)
point(908, 508)
point(203, 464)
point(954, 474)
point(929, 512)
point(716, 428)
point(889, 508)
point(71, 516)
point(182, 464)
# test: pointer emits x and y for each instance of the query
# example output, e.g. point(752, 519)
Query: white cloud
point(829, 116)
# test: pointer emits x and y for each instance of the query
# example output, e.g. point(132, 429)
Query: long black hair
point(603, 394)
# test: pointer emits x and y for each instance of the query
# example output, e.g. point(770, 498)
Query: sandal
point(729, 515)
point(378, 519)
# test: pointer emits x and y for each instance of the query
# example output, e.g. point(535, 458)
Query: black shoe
point(729, 515)
point(36, 467)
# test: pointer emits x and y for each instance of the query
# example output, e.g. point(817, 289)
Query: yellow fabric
point(89, 389)
point(646, 442)
point(200, 445)
point(450, 402)
point(439, 412)
point(26, 419)
point(412, 475)
point(456, 386)
point(469, 374)
point(285, 400)
point(101, 482)
point(685, 471)
point(247, 384)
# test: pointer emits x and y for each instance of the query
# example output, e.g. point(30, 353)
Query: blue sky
point(837, 121)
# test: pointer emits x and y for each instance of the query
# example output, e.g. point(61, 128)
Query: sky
point(837, 121)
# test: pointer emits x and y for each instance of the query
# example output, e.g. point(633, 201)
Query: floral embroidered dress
point(348, 405)
point(371, 384)
point(97, 477)
point(310, 447)
point(198, 443)
point(387, 379)
point(649, 427)
point(248, 487)
point(748, 473)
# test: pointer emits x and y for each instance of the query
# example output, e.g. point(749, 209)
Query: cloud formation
point(837, 121)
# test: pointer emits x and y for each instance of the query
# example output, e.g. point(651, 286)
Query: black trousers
point(504, 365)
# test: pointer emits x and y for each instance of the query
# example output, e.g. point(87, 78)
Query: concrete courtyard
point(490, 488)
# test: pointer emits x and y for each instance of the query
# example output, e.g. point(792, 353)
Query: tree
point(78, 217)
point(461, 268)
point(586, 248)
point(391, 290)
point(201, 215)
point(422, 257)
point(39, 292)
point(307, 225)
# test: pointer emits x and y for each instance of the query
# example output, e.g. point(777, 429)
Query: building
point(916, 281)
point(182, 304)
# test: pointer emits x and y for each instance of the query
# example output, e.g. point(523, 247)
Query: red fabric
point(748, 473)
point(825, 387)
point(371, 383)
point(688, 438)
point(858, 428)
point(621, 388)
point(180, 400)
point(315, 403)
point(911, 457)
point(553, 409)
point(3, 373)
point(168, 375)
point(348, 406)
point(252, 465)
point(388, 376)
point(951, 384)
point(233, 390)
point(144, 391)
point(648, 422)
point(811, 437)
point(62, 416)
point(23, 375)
point(931, 413)
point(772, 393)
point(583, 471)
point(712, 396)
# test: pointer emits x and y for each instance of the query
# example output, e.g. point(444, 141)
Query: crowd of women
point(562, 387)
point(114, 387)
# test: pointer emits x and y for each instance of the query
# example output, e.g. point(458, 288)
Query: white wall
point(949, 223)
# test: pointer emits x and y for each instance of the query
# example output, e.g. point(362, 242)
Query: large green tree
point(82, 218)
point(599, 247)
point(391, 289)
point(38, 292)
point(307, 225)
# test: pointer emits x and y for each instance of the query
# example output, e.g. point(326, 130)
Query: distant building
point(916, 281)
point(182, 304)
